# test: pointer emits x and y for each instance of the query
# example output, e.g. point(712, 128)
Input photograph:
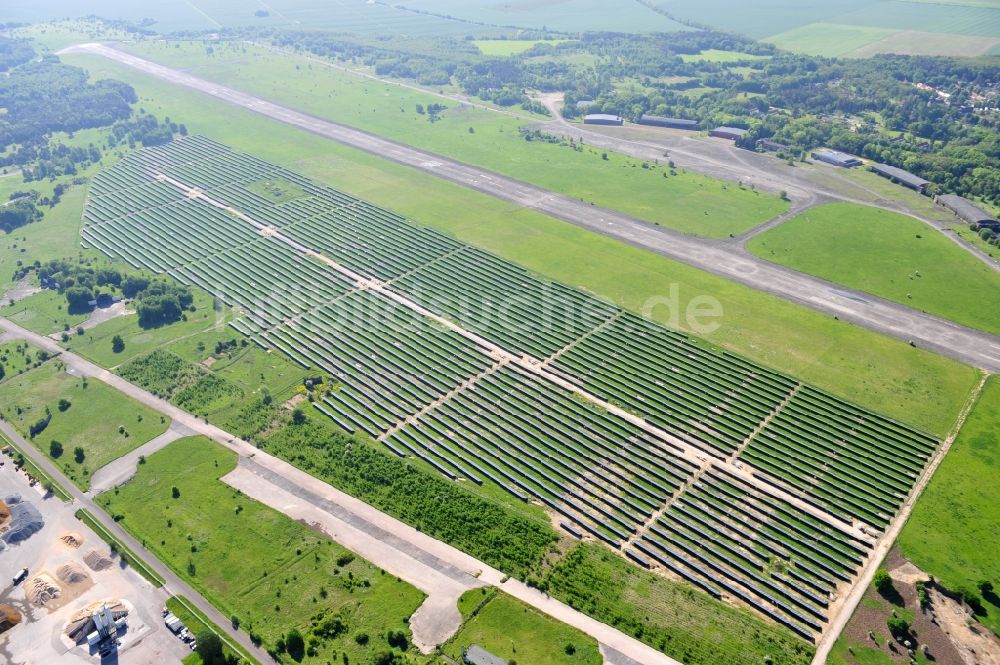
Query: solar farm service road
point(926, 331)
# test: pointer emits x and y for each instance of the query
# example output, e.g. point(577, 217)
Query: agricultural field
point(856, 28)
point(81, 425)
point(957, 515)
point(715, 55)
point(356, 16)
point(506, 47)
point(459, 359)
point(877, 371)
point(514, 631)
point(253, 562)
point(888, 255)
point(685, 202)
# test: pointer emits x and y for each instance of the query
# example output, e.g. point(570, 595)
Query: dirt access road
point(421, 551)
point(721, 258)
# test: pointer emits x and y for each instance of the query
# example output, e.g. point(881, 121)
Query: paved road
point(723, 259)
point(173, 584)
point(404, 538)
point(120, 470)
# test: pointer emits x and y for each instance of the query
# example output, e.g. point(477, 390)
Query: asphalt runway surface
point(720, 258)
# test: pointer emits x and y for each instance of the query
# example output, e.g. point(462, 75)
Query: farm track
point(723, 259)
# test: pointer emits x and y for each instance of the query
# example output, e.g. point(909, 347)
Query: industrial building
point(476, 655)
point(900, 176)
point(731, 133)
point(967, 211)
point(672, 123)
point(836, 158)
point(772, 146)
point(603, 119)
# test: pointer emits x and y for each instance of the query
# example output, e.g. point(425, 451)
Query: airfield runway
point(724, 259)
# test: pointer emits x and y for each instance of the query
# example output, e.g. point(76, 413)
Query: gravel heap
point(25, 521)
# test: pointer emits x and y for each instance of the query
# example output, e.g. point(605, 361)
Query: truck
point(20, 576)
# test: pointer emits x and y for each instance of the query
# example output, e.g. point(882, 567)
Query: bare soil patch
point(294, 401)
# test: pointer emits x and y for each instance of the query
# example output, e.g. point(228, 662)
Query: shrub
point(55, 449)
point(898, 626)
point(64, 405)
point(295, 645)
point(883, 582)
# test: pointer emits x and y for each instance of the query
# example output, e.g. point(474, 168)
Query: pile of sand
point(72, 573)
point(4, 516)
point(41, 590)
point(71, 539)
point(9, 617)
point(96, 560)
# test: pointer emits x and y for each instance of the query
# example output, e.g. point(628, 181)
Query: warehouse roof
point(476, 655)
point(836, 157)
point(904, 177)
point(603, 116)
point(736, 131)
point(964, 208)
point(668, 121)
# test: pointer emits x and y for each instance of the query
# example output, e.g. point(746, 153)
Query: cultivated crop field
point(855, 27)
point(747, 483)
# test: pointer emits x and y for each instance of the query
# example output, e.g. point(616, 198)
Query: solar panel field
point(699, 464)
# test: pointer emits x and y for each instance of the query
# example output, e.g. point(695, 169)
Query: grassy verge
point(254, 563)
point(889, 255)
point(516, 632)
point(952, 533)
point(683, 201)
point(34, 470)
point(124, 552)
point(89, 424)
point(680, 621)
point(197, 622)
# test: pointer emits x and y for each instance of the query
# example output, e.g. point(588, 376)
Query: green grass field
point(954, 530)
point(91, 422)
point(253, 562)
point(889, 255)
point(507, 47)
point(875, 371)
point(95, 344)
point(44, 313)
point(508, 628)
point(715, 55)
point(684, 623)
point(828, 39)
point(17, 358)
point(685, 202)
